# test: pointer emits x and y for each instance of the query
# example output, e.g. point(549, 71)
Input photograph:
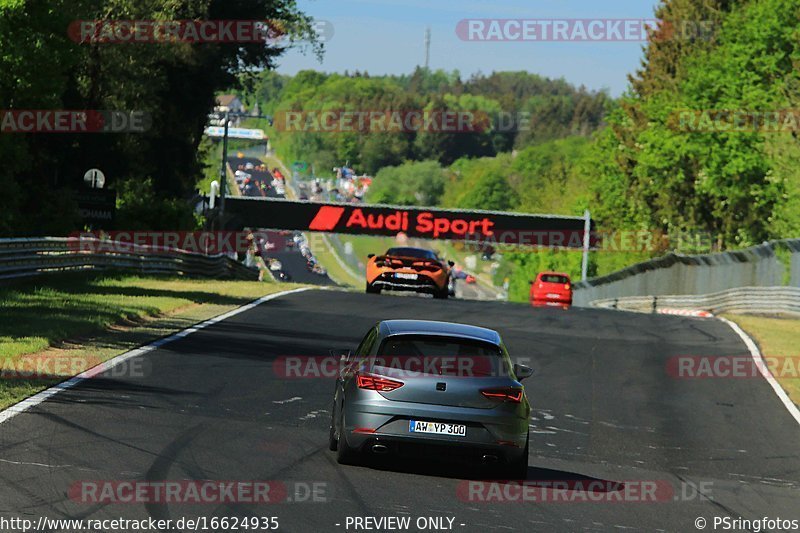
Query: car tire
point(518, 470)
point(372, 289)
point(345, 455)
point(442, 294)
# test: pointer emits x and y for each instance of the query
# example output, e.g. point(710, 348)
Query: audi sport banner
point(480, 226)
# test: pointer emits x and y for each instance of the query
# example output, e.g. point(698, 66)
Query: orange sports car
point(409, 269)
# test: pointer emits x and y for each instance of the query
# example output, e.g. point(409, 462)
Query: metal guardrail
point(758, 300)
point(21, 258)
point(770, 264)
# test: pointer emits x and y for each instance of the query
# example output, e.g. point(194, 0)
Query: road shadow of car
point(438, 467)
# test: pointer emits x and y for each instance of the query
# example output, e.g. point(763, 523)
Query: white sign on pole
point(95, 178)
point(236, 133)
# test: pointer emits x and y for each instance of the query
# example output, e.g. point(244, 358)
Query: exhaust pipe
point(489, 458)
point(380, 448)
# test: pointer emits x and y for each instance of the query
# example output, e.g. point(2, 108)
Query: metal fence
point(771, 264)
point(760, 300)
point(22, 258)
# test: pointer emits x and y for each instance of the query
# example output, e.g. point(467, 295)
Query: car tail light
point(372, 382)
point(566, 286)
point(508, 394)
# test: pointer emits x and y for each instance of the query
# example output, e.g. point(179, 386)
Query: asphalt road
point(213, 405)
point(291, 260)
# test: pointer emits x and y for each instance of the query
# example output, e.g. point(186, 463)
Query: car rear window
point(554, 278)
point(412, 252)
point(440, 355)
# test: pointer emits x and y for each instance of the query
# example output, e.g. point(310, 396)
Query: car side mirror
point(531, 282)
point(370, 256)
point(343, 355)
point(451, 263)
point(522, 372)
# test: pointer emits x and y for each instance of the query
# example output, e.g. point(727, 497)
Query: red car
point(551, 288)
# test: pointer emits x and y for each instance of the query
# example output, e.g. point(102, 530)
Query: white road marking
point(313, 414)
point(40, 397)
point(290, 400)
point(24, 463)
point(755, 353)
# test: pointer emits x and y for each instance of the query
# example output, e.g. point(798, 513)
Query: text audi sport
point(460, 395)
point(410, 269)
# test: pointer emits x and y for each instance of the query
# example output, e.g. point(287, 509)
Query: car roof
point(445, 329)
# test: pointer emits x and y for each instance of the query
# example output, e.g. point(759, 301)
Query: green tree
point(174, 83)
point(413, 183)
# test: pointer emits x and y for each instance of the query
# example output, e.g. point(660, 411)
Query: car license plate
point(553, 295)
point(439, 428)
point(403, 275)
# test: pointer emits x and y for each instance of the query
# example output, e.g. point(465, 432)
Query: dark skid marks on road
point(603, 409)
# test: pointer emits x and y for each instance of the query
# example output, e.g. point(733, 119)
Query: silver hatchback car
point(416, 387)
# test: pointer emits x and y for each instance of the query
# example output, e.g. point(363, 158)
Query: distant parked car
point(551, 288)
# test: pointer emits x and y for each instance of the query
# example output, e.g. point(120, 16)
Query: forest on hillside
point(730, 177)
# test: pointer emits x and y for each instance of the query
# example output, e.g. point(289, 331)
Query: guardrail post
point(655, 303)
point(587, 228)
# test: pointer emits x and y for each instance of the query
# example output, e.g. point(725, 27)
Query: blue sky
point(386, 37)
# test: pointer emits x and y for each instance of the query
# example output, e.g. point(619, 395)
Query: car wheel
point(345, 455)
point(519, 468)
point(441, 294)
point(372, 289)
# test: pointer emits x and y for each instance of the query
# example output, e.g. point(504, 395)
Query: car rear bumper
point(425, 448)
point(423, 283)
point(501, 432)
point(541, 296)
point(543, 302)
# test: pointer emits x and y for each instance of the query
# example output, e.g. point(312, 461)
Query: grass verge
point(55, 328)
point(325, 254)
point(778, 339)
